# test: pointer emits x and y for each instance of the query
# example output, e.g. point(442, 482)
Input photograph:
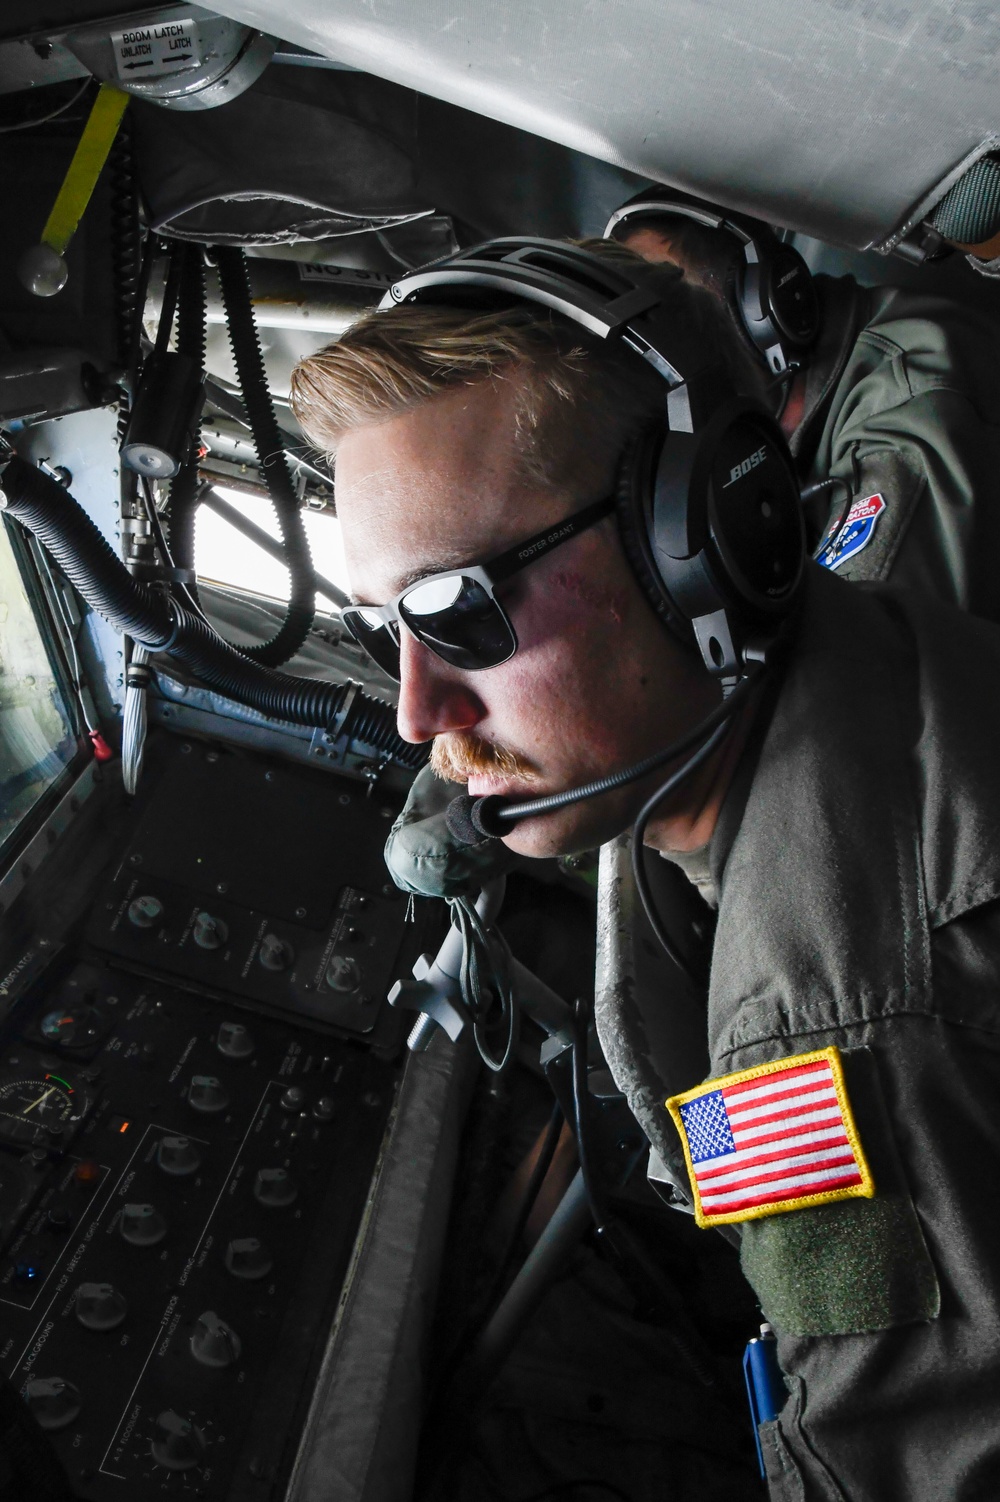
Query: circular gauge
point(72, 1027)
point(34, 1110)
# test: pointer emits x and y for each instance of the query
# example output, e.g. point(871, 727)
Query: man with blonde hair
point(569, 610)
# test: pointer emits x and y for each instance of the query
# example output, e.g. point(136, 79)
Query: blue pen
point(766, 1388)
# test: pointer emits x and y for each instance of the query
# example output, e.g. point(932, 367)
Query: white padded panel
point(835, 117)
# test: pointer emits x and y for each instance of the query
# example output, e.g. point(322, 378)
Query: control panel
point(194, 1094)
point(261, 882)
point(180, 1190)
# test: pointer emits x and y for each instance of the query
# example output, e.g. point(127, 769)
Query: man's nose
point(433, 697)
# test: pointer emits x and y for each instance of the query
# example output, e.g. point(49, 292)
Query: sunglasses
point(456, 614)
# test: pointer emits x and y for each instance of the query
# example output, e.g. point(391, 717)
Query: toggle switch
point(142, 1225)
point(275, 1187)
point(99, 1306)
point(234, 1041)
point(207, 1094)
point(214, 1343)
point(178, 1444)
point(248, 1258)
point(178, 1156)
point(53, 1401)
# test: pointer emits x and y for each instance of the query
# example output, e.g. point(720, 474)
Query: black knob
point(234, 1041)
point(248, 1258)
point(293, 1099)
point(146, 911)
point(54, 1401)
point(274, 953)
point(207, 1094)
point(142, 1225)
point(275, 1186)
point(343, 973)
point(99, 1306)
point(323, 1108)
point(214, 1343)
point(209, 932)
point(178, 1156)
point(177, 1444)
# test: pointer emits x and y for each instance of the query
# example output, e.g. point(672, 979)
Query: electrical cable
point(832, 529)
point(485, 949)
point(135, 717)
point(702, 754)
point(54, 114)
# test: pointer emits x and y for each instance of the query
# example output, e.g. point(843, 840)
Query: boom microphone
point(472, 820)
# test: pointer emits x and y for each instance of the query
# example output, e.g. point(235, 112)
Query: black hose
point(249, 361)
point(142, 612)
point(191, 330)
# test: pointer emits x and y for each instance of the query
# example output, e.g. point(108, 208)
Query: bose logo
point(745, 466)
point(788, 276)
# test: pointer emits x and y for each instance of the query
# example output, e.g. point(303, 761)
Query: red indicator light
point(124, 1126)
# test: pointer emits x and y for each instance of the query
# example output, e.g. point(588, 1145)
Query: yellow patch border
point(864, 1190)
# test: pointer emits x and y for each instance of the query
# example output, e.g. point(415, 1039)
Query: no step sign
point(155, 51)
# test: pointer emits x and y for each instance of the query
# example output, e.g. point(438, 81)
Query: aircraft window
point(224, 556)
point(36, 733)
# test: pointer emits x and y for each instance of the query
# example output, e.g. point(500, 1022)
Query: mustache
point(456, 756)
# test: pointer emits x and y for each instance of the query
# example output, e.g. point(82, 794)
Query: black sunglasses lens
point(459, 620)
point(378, 639)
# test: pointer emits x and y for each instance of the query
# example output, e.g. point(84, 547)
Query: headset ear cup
point(633, 498)
point(734, 307)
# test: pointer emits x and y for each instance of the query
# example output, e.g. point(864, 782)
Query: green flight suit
point(902, 400)
point(857, 861)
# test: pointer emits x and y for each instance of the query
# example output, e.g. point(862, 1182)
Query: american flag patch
point(774, 1138)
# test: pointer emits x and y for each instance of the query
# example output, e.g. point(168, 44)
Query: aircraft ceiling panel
point(838, 118)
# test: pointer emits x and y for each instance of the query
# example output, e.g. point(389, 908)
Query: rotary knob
point(323, 1108)
point(207, 1094)
point(209, 932)
point(178, 1156)
point(293, 1098)
point(145, 911)
point(214, 1343)
point(343, 973)
point(248, 1258)
point(234, 1041)
point(274, 1187)
point(274, 953)
point(99, 1306)
point(142, 1225)
point(53, 1401)
point(178, 1444)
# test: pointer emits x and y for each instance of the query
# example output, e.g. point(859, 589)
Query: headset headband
point(772, 295)
point(602, 298)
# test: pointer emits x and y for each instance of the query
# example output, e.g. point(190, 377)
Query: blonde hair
point(578, 398)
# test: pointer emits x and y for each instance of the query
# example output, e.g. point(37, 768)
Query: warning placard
point(154, 51)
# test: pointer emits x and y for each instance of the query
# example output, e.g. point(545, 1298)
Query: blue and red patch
point(856, 532)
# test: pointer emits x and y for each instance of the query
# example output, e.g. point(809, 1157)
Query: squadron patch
point(856, 533)
point(774, 1138)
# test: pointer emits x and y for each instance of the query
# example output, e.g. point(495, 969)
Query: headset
point(771, 292)
point(708, 503)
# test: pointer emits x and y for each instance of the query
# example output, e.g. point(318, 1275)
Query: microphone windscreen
point(458, 817)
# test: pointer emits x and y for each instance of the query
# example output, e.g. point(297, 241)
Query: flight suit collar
point(845, 309)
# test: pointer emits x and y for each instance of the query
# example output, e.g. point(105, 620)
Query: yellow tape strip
point(85, 168)
point(864, 1190)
